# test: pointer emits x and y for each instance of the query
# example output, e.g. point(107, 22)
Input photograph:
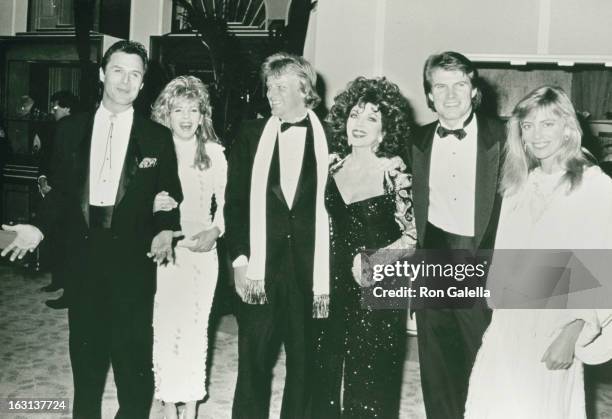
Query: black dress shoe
point(51, 287)
point(57, 304)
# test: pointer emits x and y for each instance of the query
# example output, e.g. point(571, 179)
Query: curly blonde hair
point(188, 88)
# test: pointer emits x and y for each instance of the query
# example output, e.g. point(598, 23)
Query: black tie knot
point(459, 133)
point(445, 132)
point(301, 123)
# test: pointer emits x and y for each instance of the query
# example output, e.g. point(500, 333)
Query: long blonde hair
point(518, 160)
point(188, 88)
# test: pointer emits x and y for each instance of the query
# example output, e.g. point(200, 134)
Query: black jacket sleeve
point(168, 181)
point(57, 166)
point(237, 194)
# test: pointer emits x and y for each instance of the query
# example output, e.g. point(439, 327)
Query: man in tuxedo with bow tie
point(455, 165)
point(277, 234)
point(107, 168)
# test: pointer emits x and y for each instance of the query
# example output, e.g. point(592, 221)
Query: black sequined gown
point(364, 347)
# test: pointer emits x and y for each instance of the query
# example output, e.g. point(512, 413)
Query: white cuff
point(220, 225)
point(241, 260)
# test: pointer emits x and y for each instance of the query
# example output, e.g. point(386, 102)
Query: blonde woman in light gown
point(186, 288)
point(530, 361)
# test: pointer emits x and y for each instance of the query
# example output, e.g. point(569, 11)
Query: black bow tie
point(301, 123)
point(459, 133)
point(444, 132)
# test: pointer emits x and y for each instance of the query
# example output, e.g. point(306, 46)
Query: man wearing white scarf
point(278, 238)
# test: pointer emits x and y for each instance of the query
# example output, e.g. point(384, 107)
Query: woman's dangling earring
point(377, 144)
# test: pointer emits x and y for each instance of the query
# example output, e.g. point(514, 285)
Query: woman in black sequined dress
point(369, 203)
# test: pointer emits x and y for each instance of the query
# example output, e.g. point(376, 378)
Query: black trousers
point(448, 341)
point(57, 253)
point(106, 329)
point(286, 318)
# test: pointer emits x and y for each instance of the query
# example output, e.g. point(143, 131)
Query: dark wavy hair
point(392, 105)
point(65, 99)
point(128, 47)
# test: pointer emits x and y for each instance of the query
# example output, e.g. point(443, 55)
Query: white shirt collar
point(105, 113)
point(462, 125)
point(295, 119)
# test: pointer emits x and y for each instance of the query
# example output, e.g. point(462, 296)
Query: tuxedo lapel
point(82, 162)
point(487, 173)
point(421, 162)
point(274, 176)
point(308, 171)
point(130, 164)
point(277, 190)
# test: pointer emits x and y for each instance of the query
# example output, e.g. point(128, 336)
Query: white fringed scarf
point(255, 292)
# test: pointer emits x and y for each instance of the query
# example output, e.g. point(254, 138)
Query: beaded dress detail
point(361, 347)
point(185, 289)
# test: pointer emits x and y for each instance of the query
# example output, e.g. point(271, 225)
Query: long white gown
point(508, 379)
point(185, 290)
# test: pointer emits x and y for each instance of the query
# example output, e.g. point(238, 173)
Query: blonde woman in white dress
point(185, 289)
point(530, 361)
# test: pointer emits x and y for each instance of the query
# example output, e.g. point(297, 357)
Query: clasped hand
point(164, 202)
point(161, 247)
point(203, 241)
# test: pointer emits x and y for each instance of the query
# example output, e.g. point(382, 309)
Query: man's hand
point(240, 280)
point(164, 202)
point(43, 186)
point(28, 238)
point(205, 240)
point(161, 248)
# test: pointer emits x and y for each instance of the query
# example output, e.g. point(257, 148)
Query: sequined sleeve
point(400, 183)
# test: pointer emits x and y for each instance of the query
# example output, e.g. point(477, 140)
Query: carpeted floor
point(34, 361)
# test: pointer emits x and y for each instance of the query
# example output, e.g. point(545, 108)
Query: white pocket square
point(147, 162)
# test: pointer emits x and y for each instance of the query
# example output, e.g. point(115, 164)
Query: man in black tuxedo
point(278, 238)
point(106, 170)
point(63, 104)
point(455, 165)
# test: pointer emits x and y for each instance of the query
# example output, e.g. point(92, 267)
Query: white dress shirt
point(291, 145)
point(452, 181)
point(109, 142)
